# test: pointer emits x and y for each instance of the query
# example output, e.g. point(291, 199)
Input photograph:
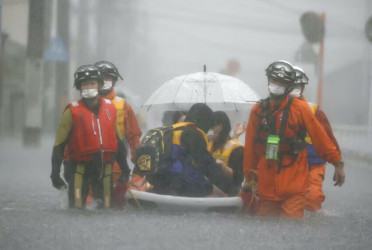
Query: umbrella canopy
point(220, 92)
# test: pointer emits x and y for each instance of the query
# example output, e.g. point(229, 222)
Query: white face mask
point(107, 85)
point(89, 93)
point(275, 89)
point(296, 92)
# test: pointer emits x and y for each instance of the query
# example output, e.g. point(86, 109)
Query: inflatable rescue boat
point(147, 200)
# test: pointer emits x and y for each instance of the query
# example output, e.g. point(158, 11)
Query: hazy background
point(153, 41)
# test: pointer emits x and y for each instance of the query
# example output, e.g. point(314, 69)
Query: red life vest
point(92, 133)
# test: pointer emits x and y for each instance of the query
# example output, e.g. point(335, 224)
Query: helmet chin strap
point(289, 90)
point(302, 90)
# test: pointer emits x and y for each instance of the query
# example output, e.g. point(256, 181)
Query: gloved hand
point(249, 186)
point(57, 181)
point(249, 194)
point(138, 183)
point(250, 201)
point(339, 175)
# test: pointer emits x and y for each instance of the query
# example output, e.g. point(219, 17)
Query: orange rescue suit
point(293, 180)
point(128, 126)
point(315, 195)
point(127, 120)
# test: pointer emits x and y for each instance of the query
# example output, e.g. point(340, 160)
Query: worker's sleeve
point(322, 118)
point(132, 130)
point(60, 141)
point(250, 158)
point(236, 164)
point(121, 157)
point(64, 128)
point(322, 143)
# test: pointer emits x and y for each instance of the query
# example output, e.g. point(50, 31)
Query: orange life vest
point(91, 133)
point(120, 107)
point(279, 185)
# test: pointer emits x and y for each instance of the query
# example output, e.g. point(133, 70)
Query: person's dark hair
point(177, 115)
point(167, 118)
point(201, 115)
point(221, 117)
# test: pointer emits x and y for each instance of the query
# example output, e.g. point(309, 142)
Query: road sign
point(56, 51)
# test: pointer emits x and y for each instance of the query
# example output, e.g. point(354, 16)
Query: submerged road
point(33, 215)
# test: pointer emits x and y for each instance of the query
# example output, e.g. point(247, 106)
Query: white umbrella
point(220, 92)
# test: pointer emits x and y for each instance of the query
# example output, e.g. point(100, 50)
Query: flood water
point(33, 215)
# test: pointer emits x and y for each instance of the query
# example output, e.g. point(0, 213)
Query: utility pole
point(1, 60)
point(1, 69)
point(34, 73)
point(63, 76)
point(313, 29)
point(368, 32)
point(321, 66)
point(370, 91)
point(49, 86)
point(83, 34)
point(56, 60)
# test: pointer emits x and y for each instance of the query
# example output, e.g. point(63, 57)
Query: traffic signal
point(313, 28)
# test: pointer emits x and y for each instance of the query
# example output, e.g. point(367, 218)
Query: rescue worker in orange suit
point(126, 118)
point(315, 195)
point(89, 129)
point(228, 152)
point(275, 155)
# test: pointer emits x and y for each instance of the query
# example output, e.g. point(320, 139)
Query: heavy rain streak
point(151, 43)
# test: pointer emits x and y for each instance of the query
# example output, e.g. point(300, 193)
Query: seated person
point(228, 152)
point(186, 168)
point(179, 116)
